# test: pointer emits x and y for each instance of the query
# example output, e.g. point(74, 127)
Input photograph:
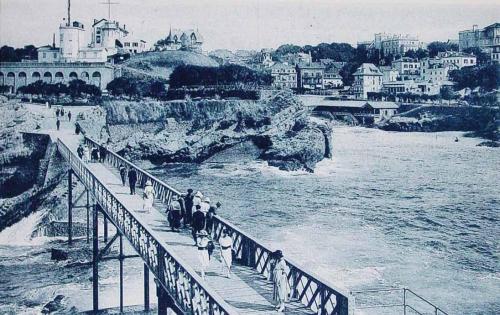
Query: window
point(127, 44)
point(44, 55)
point(55, 55)
point(98, 39)
point(135, 44)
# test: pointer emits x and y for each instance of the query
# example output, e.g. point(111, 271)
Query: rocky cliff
point(193, 131)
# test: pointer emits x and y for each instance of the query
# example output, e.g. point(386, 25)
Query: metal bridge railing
point(174, 275)
point(315, 293)
point(309, 289)
point(405, 300)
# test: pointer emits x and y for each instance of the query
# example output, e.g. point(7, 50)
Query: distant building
point(134, 46)
point(487, 38)
point(398, 87)
point(332, 80)
point(367, 78)
point(458, 59)
point(399, 44)
point(388, 74)
point(406, 66)
point(189, 40)
point(73, 59)
point(266, 58)
point(284, 76)
point(296, 58)
point(364, 111)
point(435, 70)
point(495, 54)
point(310, 75)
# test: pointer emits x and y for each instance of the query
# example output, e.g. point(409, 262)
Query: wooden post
point(121, 273)
point(70, 206)
point(95, 262)
point(146, 287)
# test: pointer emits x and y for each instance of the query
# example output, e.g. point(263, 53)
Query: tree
point(123, 86)
point(8, 54)
point(418, 54)
point(435, 47)
point(157, 89)
point(447, 93)
point(484, 76)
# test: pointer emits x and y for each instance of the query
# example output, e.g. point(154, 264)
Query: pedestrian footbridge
point(172, 258)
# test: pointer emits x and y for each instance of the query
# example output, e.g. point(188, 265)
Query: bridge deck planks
point(247, 291)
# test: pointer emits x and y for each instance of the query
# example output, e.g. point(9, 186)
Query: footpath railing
point(318, 295)
point(174, 275)
point(405, 300)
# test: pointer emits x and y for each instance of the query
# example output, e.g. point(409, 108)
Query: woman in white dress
point(86, 154)
point(149, 196)
point(202, 244)
point(280, 280)
point(226, 251)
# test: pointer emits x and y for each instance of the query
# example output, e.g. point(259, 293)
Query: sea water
point(389, 210)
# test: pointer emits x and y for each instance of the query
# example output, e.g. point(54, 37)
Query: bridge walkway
point(247, 291)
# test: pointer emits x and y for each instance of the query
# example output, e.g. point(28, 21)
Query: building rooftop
point(310, 65)
point(367, 69)
point(315, 100)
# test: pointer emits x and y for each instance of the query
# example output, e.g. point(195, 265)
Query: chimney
point(474, 27)
point(54, 40)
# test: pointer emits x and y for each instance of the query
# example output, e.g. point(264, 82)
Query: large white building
point(75, 58)
point(458, 59)
point(367, 78)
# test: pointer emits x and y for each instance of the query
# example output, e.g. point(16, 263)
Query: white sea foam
point(20, 233)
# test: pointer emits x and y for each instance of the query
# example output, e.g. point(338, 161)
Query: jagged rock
point(491, 144)
point(58, 254)
point(189, 131)
point(54, 305)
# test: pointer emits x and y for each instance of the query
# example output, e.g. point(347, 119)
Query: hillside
point(160, 64)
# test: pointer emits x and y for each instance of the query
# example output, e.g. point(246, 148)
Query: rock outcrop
point(193, 131)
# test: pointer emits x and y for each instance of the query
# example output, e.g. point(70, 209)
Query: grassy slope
point(162, 63)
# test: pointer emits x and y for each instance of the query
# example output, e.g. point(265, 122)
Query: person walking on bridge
point(174, 214)
point(58, 123)
point(123, 173)
point(69, 115)
point(132, 179)
point(202, 244)
point(148, 197)
point(86, 154)
point(280, 280)
point(102, 153)
point(57, 112)
point(198, 223)
point(79, 151)
point(226, 251)
point(188, 206)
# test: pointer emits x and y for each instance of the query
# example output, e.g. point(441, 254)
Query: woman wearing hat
point(148, 196)
point(202, 244)
point(280, 280)
point(226, 250)
point(174, 214)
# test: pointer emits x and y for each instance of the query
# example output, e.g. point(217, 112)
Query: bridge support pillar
point(146, 288)
point(95, 260)
point(162, 299)
point(121, 273)
point(105, 224)
point(70, 207)
point(87, 206)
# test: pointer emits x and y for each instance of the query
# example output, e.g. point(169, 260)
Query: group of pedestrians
point(60, 113)
point(194, 211)
point(91, 154)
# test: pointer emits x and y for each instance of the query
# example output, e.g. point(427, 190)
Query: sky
point(252, 24)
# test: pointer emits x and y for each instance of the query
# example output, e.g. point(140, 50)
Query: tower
point(71, 37)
